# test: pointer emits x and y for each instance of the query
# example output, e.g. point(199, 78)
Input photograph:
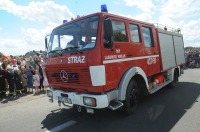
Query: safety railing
point(167, 28)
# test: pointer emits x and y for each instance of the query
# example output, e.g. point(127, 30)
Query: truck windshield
point(79, 35)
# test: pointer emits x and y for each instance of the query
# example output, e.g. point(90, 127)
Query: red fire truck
point(104, 60)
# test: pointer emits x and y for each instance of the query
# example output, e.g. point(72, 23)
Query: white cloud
point(182, 14)
point(191, 32)
point(180, 8)
point(146, 8)
point(117, 2)
point(48, 12)
point(172, 12)
point(195, 44)
point(13, 46)
point(21, 46)
point(141, 17)
point(144, 5)
point(35, 37)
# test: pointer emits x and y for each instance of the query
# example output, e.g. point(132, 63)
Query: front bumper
point(74, 98)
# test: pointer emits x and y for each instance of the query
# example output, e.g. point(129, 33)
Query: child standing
point(36, 82)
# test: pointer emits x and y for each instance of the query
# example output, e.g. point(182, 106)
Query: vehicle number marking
point(151, 61)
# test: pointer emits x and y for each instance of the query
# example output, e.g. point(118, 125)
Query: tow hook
point(79, 108)
point(51, 100)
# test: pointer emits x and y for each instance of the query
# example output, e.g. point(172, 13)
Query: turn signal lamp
point(104, 8)
point(89, 101)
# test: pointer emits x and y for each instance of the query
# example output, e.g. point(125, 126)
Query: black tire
point(175, 80)
point(132, 98)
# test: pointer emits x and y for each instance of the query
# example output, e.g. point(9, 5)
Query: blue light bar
point(104, 8)
point(65, 21)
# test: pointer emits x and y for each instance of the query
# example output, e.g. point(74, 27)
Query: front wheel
point(132, 97)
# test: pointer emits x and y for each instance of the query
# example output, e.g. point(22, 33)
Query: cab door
point(151, 49)
point(115, 57)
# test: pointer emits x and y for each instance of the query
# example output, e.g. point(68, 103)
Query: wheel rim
point(133, 98)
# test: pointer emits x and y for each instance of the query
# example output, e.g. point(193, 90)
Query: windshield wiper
point(68, 48)
point(56, 51)
point(71, 48)
point(80, 51)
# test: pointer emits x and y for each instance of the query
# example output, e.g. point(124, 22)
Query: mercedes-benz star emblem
point(64, 76)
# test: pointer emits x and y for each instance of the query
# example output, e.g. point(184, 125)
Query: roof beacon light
point(104, 8)
point(65, 21)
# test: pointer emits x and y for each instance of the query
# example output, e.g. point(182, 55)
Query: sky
point(25, 23)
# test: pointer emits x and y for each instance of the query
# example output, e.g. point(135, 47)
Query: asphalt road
point(175, 109)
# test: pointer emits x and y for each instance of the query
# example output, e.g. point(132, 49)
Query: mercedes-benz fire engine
point(113, 63)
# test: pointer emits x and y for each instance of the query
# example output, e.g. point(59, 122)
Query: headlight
point(89, 101)
point(49, 93)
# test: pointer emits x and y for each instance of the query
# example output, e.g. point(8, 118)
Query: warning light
point(104, 8)
point(65, 21)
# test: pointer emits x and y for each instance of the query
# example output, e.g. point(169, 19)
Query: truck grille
point(61, 75)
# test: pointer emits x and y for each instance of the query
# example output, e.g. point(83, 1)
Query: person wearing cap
point(6, 61)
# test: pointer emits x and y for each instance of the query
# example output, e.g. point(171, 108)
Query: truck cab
point(105, 60)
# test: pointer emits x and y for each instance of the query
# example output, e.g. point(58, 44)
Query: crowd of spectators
point(192, 58)
point(20, 75)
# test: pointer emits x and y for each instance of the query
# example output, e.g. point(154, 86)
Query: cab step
point(115, 105)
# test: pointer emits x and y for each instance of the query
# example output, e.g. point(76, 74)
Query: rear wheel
point(175, 80)
point(132, 97)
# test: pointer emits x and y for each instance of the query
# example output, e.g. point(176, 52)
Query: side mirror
point(108, 33)
point(46, 42)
